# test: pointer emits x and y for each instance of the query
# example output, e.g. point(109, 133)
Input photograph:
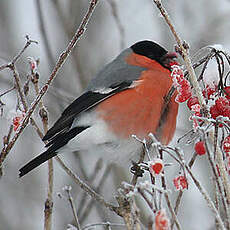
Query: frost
point(130, 194)
point(127, 185)
point(211, 75)
point(145, 185)
point(67, 188)
point(218, 47)
point(71, 227)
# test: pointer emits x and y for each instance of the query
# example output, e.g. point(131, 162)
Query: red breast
point(139, 110)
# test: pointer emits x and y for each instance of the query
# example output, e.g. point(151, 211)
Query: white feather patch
point(109, 90)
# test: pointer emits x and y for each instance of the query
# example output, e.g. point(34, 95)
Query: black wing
point(61, 132)
point(81, 104)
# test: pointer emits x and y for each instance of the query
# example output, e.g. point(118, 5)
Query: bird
point(126, 98)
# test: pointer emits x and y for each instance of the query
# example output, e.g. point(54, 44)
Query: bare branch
point(56, 69)
point(85, 187)
point(70, 198)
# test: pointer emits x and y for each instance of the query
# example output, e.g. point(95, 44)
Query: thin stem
point(7, 91)
point(61, 60)
point(85, 187)
point(206, 197)
point(44, 34)
point(70, 198)
point(184, 50)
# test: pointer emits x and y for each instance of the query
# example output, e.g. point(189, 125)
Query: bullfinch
point(126, 98)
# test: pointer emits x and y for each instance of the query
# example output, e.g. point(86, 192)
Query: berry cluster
point(221, 106)
point(181, 83)
point(161, 220)
point(17, 120)
point(180, 183)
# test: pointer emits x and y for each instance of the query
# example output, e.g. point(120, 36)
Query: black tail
point(36, 162)
point(54, 145)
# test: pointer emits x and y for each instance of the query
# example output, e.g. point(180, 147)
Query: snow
point(211, 75)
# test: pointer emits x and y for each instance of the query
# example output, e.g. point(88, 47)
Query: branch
point(70, 199)
point(185, 55)
point(207, 198)
point(44, 34)
point(62, 58)
point(85, 187)
point(192, 76)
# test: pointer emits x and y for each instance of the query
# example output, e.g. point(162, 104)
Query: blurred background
point(115, 25)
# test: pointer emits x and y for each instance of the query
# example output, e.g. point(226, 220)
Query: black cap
point(149, 49)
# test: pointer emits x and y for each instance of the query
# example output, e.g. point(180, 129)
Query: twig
point(179, 197)
point(120, 27)
point(207, 198)
point(184, 50)
point(44, 89)
point(7, 91)
point(221, 166)
point(4, 66)
point(193, 79)
point(217, 179)
point(28, 43)
point(149, 203)
point(7, 137)
point(70, 198)
point(18, 85)
point(163, 182)
point(44, 117)
point(202, 191)
point(98, 189)
point(142, 156)
point(90, 226)
point(44, 34)
point(85, 187)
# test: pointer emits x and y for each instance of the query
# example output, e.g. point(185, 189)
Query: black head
point(149, 49)
point(153, 51)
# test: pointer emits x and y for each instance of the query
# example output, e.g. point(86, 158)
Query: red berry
point(221, 104)
point(208, 91)
point(180, 98)
point(184, 83)
point(226, 144)
point(226, 111)
point(192, 101)
point(156, 166)
point(214, 111)
point(161, 220)
point(173, 63)
point(17, 120)
point(180, 183)
point(200, 148)
point(227, 92)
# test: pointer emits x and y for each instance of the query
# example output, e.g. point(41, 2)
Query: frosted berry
point(156, 166)
point(222, 103)
point(200, 148)
point(161, 220)
point(226, 144)
point(227, 92)
point(192, 101)
point(214, 111)
point(180, 183)
point(208, 91)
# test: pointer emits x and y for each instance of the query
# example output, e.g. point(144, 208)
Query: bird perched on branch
point(127, 97)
